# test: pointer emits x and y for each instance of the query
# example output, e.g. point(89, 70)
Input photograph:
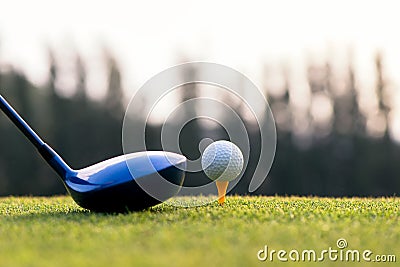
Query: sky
point(149, 36)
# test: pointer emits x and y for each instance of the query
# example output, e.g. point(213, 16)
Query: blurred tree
point(281, 108)
point(191, 136)
point(192, 132)
point(55, 112)
point(358, 119)
point(115, 95)
point(382, 94)
point(81, 80)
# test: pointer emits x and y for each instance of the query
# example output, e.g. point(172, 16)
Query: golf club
point(110, 186)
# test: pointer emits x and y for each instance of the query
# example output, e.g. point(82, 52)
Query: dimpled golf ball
point(222, 161)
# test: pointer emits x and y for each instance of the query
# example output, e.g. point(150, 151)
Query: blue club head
point(126, 183)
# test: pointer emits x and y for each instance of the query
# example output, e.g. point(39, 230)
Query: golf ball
point(222, 160)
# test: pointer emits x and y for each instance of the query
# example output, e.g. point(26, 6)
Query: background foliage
point(336, 156)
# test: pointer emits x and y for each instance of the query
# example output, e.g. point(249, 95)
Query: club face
point(119, 184)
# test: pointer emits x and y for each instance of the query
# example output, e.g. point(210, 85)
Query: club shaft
point(20, 123)
point(55, 161)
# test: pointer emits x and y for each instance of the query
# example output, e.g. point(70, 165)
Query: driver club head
point(126, 183)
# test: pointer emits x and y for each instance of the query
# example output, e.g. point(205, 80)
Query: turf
point(56, 232)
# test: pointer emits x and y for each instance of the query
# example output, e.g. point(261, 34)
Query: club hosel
point(54, 160)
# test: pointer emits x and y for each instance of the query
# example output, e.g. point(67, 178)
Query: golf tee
point(222, 186)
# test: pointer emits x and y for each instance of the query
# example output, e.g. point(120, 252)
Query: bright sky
point(149, 36)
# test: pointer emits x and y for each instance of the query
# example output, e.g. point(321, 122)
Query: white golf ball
point(222, 161)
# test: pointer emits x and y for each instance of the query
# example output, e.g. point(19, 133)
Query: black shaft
point(20, 123)
point(54, 160)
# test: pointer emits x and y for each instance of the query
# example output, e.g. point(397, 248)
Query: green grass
point(56, 232)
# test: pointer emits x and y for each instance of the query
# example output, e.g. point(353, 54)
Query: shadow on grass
point(80, 215)
point(28, 210)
